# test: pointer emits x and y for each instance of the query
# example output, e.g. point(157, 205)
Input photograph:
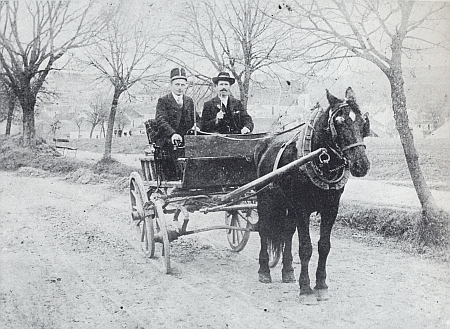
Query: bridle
point(333, 131)
point(353, 145)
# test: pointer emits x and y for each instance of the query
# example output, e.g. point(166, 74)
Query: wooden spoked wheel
point(143, 223)
point(239, 219)
point(161, 234)
point(274, 256)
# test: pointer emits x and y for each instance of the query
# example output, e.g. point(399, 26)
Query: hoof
point(288, 277)
point(308, 299)
point(321, 294)
point(265, 278)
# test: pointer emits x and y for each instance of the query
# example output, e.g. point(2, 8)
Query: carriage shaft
point(268, 178)
point(229, 208)
point(174, 234)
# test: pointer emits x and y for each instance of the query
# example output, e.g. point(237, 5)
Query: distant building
point(442, 132)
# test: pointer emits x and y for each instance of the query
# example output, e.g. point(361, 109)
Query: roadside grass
point(46, 157)
point(430, 239)
point(134, 144)
point(406, 227)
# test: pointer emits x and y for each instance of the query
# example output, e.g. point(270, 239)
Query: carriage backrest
point(151, 128)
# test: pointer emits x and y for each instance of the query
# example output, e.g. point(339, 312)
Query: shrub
point(403, 224)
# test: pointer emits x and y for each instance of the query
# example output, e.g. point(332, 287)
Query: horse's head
point(348, 128)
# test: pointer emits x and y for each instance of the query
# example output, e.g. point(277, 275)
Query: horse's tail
point(272, 217)
point(271, 201)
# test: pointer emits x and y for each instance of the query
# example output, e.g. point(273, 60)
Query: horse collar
point(317, 176)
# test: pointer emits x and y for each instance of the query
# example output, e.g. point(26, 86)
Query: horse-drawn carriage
point(286, 176)
point(217, 173)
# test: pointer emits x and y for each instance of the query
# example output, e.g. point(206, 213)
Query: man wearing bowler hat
point(174, 117)
point(225, 114)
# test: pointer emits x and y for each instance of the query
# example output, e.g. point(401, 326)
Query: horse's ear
point(331, 99)
point(350, 94)
point(366, 127)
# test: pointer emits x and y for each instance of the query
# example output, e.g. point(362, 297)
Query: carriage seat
point(209, 161)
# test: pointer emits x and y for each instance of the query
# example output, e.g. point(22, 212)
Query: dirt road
point(70, 259)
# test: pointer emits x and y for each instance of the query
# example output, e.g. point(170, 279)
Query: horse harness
point(320, 174)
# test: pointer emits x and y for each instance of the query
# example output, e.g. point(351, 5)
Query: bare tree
point(79, 119)
point(98, 112)
point(33, 37)
point(121, 120)
point(123, 56)
point(8, 105)
point(380, 32)
point(236, 36)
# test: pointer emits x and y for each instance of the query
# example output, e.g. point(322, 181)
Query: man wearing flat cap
point(174, 116)
point(225, 114)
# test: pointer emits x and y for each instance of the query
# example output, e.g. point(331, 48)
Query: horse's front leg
point(327, 220)
point(264, 270)
point(305, 251)
point(287, 272)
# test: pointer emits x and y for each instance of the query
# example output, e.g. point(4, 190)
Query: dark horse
point(317, 186)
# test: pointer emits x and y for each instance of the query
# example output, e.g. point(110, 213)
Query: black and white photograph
point(224, 164)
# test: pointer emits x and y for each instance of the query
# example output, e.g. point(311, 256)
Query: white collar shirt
point(178, 98)
point(224, 100)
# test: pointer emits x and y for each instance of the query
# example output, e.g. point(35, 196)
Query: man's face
point(223, 88)
point(178, 86)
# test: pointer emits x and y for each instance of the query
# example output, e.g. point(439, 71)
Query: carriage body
point(210, 162)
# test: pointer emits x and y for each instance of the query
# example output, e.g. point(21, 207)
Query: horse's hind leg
point(287, 272)
point(270, 229)
point(264, 270)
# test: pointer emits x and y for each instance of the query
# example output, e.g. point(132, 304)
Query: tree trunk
point(29, 129)
point(9, 118)
point(110, 128)
point(244, 86)
point(27, 101)
point(429, 206)
point(244, 92)
point(92, 131)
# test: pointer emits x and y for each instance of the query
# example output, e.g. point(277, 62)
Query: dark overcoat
point(172, 118)
point(235, 117)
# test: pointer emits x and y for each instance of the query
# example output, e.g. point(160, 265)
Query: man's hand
point(195, 128)
point(219, 116)
point(245, 130)
point(175, 138)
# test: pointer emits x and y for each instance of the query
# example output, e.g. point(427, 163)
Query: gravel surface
point(70, 259)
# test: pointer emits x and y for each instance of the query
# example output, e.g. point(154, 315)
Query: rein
point(265, 135)
point(353, 145)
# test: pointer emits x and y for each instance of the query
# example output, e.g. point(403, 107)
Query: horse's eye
point(340, 120)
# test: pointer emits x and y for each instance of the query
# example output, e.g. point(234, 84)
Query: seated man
point(224, 114)
point(174, 118)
